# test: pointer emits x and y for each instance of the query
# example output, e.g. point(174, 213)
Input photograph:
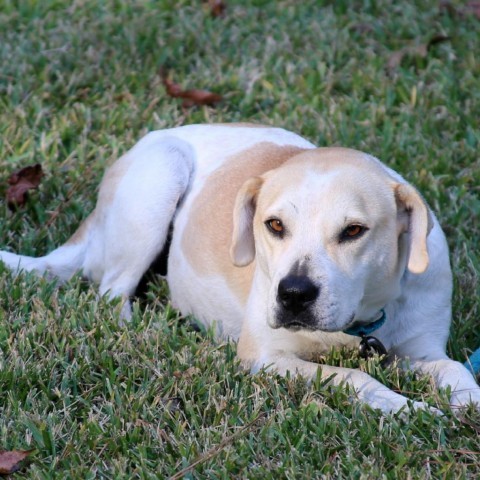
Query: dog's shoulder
point(205, 224)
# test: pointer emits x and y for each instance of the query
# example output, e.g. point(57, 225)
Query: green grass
point(79, 84)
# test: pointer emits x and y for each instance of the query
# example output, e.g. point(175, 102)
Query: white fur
point(158, 182)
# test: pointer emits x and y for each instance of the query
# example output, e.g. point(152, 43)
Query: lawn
point(80, 82)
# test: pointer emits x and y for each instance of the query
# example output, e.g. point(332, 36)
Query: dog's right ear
point(242, 250)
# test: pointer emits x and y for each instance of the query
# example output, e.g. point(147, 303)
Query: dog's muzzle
point(295, 295)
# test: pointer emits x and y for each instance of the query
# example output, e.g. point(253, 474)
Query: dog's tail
point(61, 264)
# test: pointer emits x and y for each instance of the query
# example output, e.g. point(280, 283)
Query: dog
point(289, 249)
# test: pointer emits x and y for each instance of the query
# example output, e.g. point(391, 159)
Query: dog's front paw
point(427, 408)
point(404, 408)
point(390, 402)
point(461, 399)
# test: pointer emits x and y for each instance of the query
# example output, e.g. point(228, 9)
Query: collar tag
point(369, 345)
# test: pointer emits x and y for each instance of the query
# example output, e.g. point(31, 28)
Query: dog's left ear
point(242, 250)
point(414, 217)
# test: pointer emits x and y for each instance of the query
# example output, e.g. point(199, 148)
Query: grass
point(79, 84)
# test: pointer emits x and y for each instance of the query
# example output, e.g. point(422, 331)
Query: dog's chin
point(310, 324)
point(336, 327)
point(294, 323)
point(297, 326)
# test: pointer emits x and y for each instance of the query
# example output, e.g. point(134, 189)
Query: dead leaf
point(362, 28)
point(200, 97)
point(20, 182)
point(10, 461)
point(217, 7)
point(421, 51)
point(190, 97)
point(191, 372)
point(395, 60)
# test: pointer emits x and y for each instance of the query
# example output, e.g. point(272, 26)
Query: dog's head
point(332, 232)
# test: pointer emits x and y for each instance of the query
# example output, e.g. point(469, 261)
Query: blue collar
point(362, 330)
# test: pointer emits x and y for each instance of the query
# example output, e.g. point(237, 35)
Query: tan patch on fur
point(328, 158)
point(247, 348)
point(207, 237)
point(81, 232)
point(112, 177)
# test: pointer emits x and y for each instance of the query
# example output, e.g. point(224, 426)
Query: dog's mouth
point(296, 326)
point(312, 324)
point(296, 323)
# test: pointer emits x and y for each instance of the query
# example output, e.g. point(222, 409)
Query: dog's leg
point(425, 353)
point(135, 226)
point(367, 389)
point(447, 373)
point(422, 327)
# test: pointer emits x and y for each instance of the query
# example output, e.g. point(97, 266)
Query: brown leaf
point(199, 97)
point(10, 461)
point(217, 7)
point(362, 28)
point(20, 182)
point(421, 50)
point(395, 60)
point(437, 39)
point(191, 97)
point(173, 89)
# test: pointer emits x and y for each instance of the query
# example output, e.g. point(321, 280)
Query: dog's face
point(331, 231)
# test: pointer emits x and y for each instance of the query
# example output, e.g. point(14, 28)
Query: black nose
point(295, 293)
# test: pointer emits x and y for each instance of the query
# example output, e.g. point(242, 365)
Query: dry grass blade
point(253, 425)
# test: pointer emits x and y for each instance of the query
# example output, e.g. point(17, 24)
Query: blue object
point(473, 363)
point(366, 329)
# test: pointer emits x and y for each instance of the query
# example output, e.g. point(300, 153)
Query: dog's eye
point(275, 226)
point(352, 232)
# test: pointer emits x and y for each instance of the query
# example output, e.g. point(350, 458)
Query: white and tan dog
point(283, 245)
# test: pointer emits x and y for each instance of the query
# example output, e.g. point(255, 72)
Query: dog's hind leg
point(135, 215)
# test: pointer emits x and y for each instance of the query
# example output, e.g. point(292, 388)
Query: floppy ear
point(242, 250)
point(415, 218)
